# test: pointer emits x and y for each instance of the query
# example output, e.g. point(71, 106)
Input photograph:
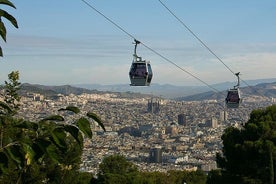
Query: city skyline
point(69, 43)
point(139, 134)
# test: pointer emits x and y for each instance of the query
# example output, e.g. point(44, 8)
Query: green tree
point(11, 102)
point(116, 169)
point(11, 88)
point(10, 18)
point(48, 150)
point(249, 153)
point(219, 176)
point(116, 164)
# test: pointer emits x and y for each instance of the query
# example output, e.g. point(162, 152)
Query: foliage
point(174, 176)
point(249, 154)
point(10, 18)
point(48, 150)
point(116, 164)
point(11, 96)
point(116, 169)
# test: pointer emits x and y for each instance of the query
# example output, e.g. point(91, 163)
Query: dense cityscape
point(156, 134)
point(115, 134)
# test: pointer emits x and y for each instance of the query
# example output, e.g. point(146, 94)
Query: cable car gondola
point(140, 72)
point(233, 99)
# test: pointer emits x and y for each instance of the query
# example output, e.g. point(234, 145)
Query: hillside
point(186, 93)
point(50, 91)
point(168, 90)
point(263, 89)
point(53, 90)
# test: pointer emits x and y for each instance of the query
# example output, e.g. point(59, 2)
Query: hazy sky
point(66, 42)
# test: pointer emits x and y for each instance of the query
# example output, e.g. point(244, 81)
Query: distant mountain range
point(264, 87)
point(171, 91)
point(51, 91)
point(164, 90)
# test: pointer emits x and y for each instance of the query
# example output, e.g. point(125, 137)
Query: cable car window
point(138, 70)
point(233, 96)
point(150, 73)
point(149, 69)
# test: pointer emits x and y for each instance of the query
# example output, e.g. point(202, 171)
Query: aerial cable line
point(130, 35)
point(180, 68)
point(111, 21)
point(208, 48)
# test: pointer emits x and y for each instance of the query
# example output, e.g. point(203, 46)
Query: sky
point(67, 42)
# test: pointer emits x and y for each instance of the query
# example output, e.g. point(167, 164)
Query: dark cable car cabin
point(233, 99)
point(140, 72)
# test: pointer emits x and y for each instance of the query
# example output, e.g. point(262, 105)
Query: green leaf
point(74, 109)
point(6, 107)
point(74, 131)
point(3, 162)
point(3, 31)
point(27, 125)
point(9, 17)
point(40, 147)
point(52, 152)
point(29, 153)
point(54, 118)
point(84, 126)
point(13, 152)
point(59, 137)
point(6, 2)
point(96, 118)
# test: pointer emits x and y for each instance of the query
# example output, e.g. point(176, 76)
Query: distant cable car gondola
point(233, 99)
point(140, 72)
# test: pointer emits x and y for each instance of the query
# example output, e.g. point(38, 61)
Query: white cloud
point(255, 65)
point(106, 60)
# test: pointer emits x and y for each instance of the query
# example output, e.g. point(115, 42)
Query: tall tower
point(182, 119)
point(153, 106)
point(155, 155)
point(223, 116)
point(214, 122)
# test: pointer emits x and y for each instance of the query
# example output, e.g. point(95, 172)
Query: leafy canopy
point(52, 145)
point(7, 16)
point(249, 154)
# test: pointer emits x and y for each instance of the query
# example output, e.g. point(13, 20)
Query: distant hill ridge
point(186, 93)
point(264, 89)
point(170, 91)
point(51, 90)
point(68, 89)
